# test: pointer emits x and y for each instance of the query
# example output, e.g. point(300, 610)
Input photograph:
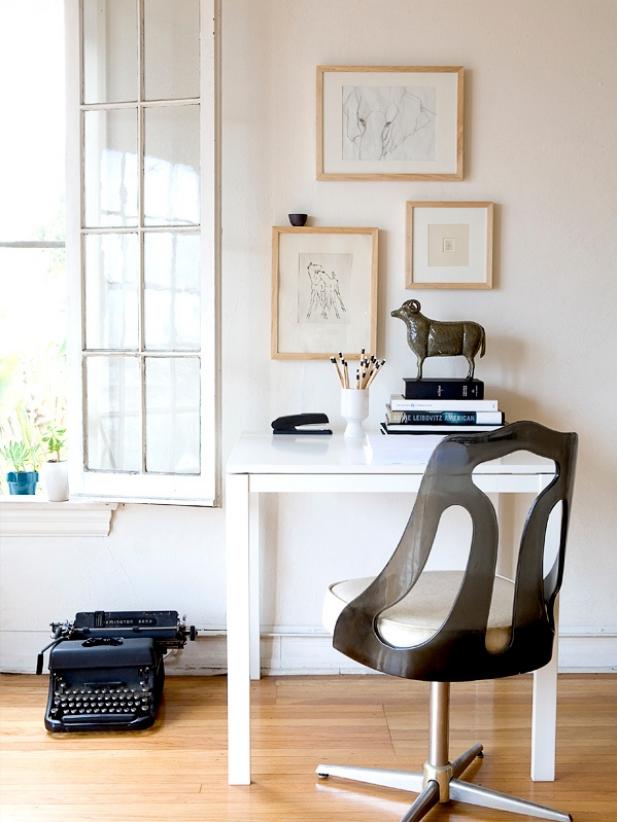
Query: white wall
point(540, 142)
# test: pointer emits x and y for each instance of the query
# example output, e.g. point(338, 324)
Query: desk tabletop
point(265, 453)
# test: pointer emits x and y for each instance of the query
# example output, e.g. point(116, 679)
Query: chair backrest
point(457, 651)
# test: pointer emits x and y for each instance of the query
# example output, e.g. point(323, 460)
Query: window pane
point(111, 284)
point(32, 137)
point(171, 32)
point(33, 326)
point(33, 300)
point(110, 51)
point(171, 166)
point(172, 291)
point(111, 167)
point(112, 408)
point(172, 415)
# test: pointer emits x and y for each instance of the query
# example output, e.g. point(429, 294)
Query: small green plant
point(55, 438)
point(20, 455)
point(21, 443)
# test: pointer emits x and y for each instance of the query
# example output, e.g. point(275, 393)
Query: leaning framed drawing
point(324, 292)
point(389, 123)
point(449, 245)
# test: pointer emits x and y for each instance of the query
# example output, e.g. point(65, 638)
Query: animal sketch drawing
point(396, 123)
point(325, 293)
point(434, 338)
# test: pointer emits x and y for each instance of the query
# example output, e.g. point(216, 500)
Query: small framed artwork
point(449, 245)
point(389, 123)
point(324, 292)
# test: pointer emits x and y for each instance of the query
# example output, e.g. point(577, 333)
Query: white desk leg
point(238, 630)
point(544, 716)
point(254, 583)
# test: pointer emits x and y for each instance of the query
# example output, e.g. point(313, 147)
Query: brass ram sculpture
point(433, 338)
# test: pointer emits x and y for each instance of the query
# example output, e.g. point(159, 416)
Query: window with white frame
point(141, 247)
point(33, 285)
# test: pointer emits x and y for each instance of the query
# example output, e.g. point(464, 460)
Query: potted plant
point(55, 473)
point(21, 454)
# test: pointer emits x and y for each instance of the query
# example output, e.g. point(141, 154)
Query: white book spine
point(436, 429)
point(399, 403)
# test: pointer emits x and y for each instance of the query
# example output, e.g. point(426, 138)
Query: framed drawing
point(449, 245)
point(389, 123)
point(324, 292)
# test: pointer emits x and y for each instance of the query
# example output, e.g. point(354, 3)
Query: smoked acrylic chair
point(449, 626)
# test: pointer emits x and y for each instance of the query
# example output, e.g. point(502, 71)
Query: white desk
point(262, 463)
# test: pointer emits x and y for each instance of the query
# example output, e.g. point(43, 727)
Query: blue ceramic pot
point(22, 482)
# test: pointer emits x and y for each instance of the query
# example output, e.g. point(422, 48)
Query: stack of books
point(441, 406)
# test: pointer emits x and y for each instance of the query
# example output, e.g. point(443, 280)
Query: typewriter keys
point(122, 702)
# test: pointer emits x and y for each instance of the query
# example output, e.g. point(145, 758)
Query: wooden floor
point(177, 770)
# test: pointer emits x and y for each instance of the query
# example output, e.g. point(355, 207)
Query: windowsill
point(35, 516)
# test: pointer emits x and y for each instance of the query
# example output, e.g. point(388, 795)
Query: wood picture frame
point(422, 140)
point(324, 292)
point(453, 251)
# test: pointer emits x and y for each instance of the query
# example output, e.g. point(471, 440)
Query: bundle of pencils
point(365, 374)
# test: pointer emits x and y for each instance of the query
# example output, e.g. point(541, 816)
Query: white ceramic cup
point(354, 409)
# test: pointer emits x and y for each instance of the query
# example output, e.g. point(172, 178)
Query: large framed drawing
point(449, 245)
point(324, 292)
point(389, 123)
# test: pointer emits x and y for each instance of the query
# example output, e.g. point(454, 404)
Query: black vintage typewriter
point(106, 669)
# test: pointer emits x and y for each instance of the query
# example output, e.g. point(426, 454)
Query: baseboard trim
point(588, 652)
point(303, 651)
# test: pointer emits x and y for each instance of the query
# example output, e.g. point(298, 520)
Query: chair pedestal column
point(437, 768)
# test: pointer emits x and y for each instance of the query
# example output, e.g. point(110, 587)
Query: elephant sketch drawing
point(388, 123)
point(323, 280)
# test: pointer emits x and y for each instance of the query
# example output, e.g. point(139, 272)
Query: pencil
point(334, 362)
point(378, 365)
point(373, 375)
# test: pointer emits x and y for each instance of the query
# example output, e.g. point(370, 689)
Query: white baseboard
point(303, 651)
point(309, 652)
point(585, 651)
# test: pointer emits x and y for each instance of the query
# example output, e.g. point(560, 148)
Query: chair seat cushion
point(417, 617)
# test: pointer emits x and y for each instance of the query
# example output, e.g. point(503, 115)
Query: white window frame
point(173, 489)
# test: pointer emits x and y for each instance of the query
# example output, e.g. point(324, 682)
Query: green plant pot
point(22, 482)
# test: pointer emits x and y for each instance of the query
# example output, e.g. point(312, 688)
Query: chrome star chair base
point(439, 782)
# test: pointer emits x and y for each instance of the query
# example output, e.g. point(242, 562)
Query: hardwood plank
point(178, 769)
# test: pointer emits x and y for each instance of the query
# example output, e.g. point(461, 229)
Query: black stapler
point(289, 425)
